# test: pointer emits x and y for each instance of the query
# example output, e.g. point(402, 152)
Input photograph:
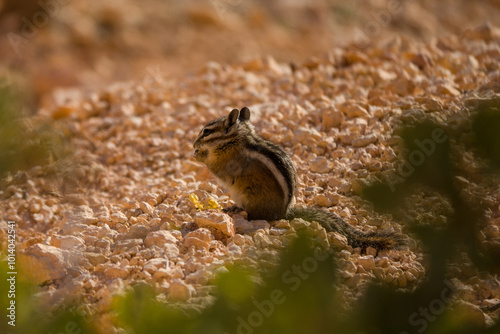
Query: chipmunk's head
point(222, 134)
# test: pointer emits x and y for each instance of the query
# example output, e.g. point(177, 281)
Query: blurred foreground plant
point(24, 142)
point(425, 309)
point(30, 318)
point(298, 298)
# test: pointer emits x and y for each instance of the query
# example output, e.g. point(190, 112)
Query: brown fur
point(261, 178)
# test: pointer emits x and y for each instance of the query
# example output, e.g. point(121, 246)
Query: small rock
point(410, 277)
point(367, 262)
point(170, 250)
point(95, 258)
point(331, 118)
point(337, 240)
point(379, 273)
point(199, 277)
point(67, 242)
point(196, 243)
point(214, 220)
point(125, 245)
point(116, 272)
point(350, 270)
point(208, 187)
point(118, 217)
point(448, 89)
point(382, 262)
point(322, 237)
point(371, 251)
point(137, 232)
point(82, 214)
point(302, 134)
point(320, 165)
point(145, 207)
point(299, 224)
point(242, 225)
point(354, 281)
point(202, 234)
point(422, 61)
point(322, 200)
point(402, 281)
point(154, 264)
point(234, 250)
point(159, 238)
point(255, 64)
point(483, 32)
point(154, 224)
point(353, 110)
point(282, 223)
point(260, 224)
point(383, 75)
point(239, 240)
point(364, 140)
point(401, 86)
point(34, 208)
point(179, 291)
point(161, 274)
point(262, 240)
point(42, 263)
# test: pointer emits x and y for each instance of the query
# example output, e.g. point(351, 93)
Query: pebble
point(262, 240)
point(367, 262)
point(137, 232)
point(68, 242)
point(42, 263)
point(118, 217)
point(299, 224)
point(159, 238)
point(320, 164)
point(364, 140)
point(116, 272)
point(337, 241)
point(216, 221)
point(82, 214)
point(145, 207)
point(179, 291)
point(196, 243)
point(353, 110)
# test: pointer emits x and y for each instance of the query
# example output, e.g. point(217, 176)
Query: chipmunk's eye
point(206, 132)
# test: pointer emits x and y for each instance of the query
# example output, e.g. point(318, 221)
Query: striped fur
point(261, 178)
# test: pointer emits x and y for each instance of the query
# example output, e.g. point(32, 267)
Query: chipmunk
point(261, 178)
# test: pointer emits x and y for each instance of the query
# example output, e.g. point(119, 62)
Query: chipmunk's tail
point(355, 237)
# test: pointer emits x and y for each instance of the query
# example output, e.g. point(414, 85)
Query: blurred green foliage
point(29, 317)
point(297, 298)
point(25, 141)
point(438, 171)
point(487, 127)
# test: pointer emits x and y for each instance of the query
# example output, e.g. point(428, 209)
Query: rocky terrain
point(91, 43)
point(129, 204)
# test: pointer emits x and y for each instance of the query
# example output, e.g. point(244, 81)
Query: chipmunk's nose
point(200, 155)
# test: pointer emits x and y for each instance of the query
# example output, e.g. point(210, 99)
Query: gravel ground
point(131, 204)
point(92, 43)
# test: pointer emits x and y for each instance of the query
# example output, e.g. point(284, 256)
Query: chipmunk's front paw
point(232, 209)
point(236, 210)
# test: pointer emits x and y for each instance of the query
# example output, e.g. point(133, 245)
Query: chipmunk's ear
point(232, 117)
point(244, 114)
